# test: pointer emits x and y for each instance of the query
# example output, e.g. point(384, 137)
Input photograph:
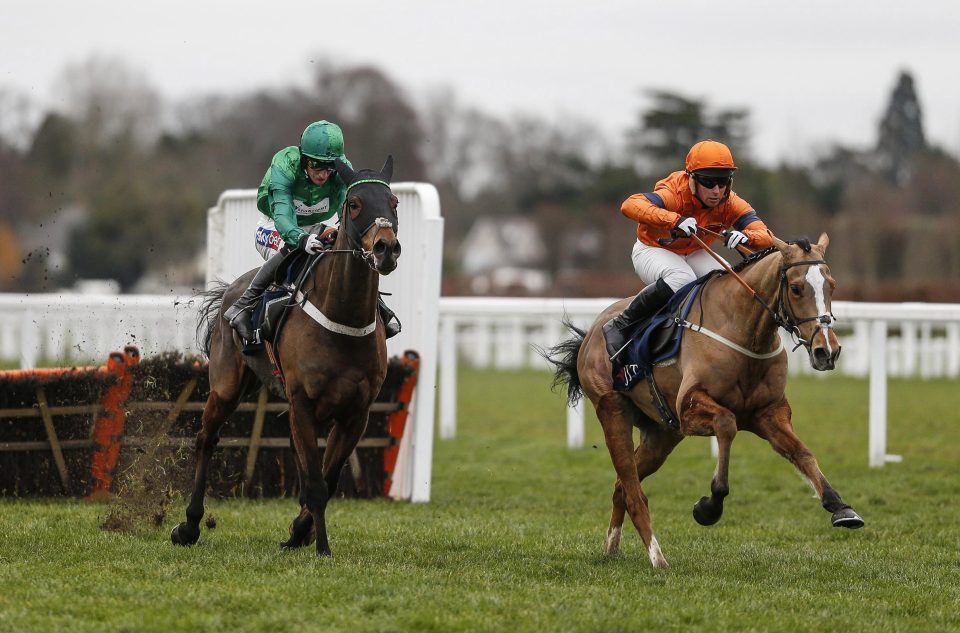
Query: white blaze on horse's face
point(822, 358)
point(819, 282)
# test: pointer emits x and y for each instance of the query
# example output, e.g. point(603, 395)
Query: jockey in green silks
point(301, 188)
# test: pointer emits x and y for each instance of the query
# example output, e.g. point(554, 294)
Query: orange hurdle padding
point(397, 421)
point(108, 428)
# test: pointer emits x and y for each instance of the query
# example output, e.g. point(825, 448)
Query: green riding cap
point(323, 141)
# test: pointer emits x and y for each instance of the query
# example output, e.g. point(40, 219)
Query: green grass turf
point(513, 537)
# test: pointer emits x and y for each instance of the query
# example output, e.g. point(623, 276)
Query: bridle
point(354, 235)
point(784, 315)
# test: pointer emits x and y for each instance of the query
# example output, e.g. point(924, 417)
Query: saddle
point(275, 300)
point(656, 341)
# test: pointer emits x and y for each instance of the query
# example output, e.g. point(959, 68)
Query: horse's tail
point(211, 301)
point(563, 356)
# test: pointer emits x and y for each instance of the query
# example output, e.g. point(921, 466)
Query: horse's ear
point(780, 244)
point(347, 175)
point(386, 172)
point(823, 241)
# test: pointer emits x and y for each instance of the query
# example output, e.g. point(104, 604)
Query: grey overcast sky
point(810, 71)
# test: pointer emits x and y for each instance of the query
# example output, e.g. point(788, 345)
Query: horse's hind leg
point(617, 421)
point(701, 415)
point(215, 413)
point(228, 380)
point(775, 426)
point(656, 444)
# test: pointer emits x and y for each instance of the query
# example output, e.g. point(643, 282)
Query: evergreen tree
point(900, 136)
point(670, 127)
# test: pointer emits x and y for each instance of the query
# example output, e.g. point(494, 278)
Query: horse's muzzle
point(385, 254)
point(823, 359)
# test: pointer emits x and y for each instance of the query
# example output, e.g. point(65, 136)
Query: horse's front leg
point(701, 415)
point(774, 425)
point(617, 421)
point(301, 528)
point(314, 494)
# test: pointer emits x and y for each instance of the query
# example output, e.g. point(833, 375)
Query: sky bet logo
point(269, 238)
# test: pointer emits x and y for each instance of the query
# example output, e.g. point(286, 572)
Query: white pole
point(29, 340)
point(426, 391)
point(575, 425)
point(878, 394)
point(448, 377)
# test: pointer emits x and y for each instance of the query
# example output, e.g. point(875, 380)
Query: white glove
point(687, 226)
point(311, 244)
point(736, 238)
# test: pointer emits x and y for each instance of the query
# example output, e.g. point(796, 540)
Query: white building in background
point(505, 256)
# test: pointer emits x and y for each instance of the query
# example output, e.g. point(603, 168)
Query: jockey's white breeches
point(653, 263)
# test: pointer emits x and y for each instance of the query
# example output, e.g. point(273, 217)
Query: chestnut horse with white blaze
point(331, 349)
point(730, 375)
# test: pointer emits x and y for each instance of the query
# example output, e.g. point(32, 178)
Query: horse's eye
point(795, 289)
point(353, 205)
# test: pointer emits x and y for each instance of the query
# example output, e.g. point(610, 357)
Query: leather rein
point(782, 315)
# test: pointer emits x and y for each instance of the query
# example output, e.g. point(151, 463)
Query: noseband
point(784, 315)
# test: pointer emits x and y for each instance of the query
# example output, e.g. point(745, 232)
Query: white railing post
point(29, 340)
point(878, 394)
point(575, 425)
point(448, 377)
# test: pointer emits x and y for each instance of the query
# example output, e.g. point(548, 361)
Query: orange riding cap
point(658, 212)
point(709, 155)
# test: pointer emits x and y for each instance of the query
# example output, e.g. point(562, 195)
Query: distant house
point(504, 256)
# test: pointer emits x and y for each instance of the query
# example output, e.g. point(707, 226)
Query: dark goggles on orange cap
point(709, 182)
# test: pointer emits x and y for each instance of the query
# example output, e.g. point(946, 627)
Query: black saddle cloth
point(276, 298)
point(656, 339)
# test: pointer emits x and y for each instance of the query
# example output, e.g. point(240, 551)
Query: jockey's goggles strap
point(366, 180)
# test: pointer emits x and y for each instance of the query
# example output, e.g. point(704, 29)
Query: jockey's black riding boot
point(391, 324)
point(240, 314)
point(645, 304)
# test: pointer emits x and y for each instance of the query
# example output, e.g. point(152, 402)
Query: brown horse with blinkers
point(730, 374)
point(332, 351)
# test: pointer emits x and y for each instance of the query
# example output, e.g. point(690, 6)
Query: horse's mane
point(802, 242)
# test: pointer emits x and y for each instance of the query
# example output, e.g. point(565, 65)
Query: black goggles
point(709, 182)
point(323, 165)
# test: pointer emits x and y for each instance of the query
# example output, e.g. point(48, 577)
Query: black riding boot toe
point(616, 338)
point(242, 322)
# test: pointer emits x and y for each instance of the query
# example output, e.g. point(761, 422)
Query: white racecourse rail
point(879, 340)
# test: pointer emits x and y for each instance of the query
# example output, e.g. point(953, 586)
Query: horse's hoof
point(847, 518)
point(704, 514)
point(183, 534)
